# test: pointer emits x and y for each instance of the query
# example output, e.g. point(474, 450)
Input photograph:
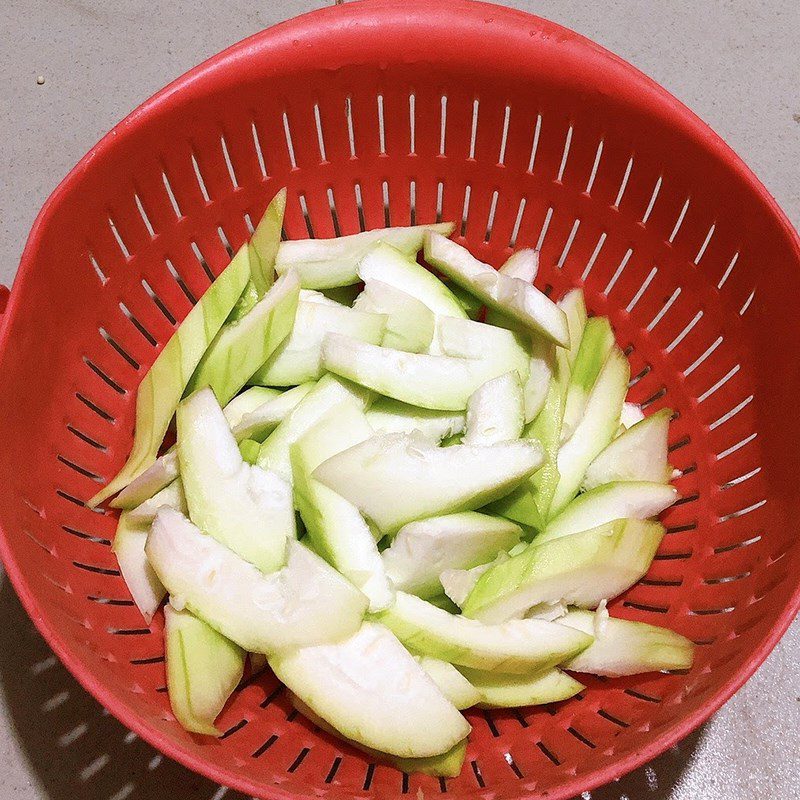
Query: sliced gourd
point(396, 478)
point(160, 474)
point(248, 401)
point(265, 243)
point(335, 527)
point(261, 421)
point(632, 499)
point(574, 306)
point(581, 569)
point(524, 265)
point(446, 765)
point(244, 507)
point(495, 411)
point(529, 504)
point(516, 691)
point(146, 589)
point(471, 305)
point(386, 264)
point(594, 431)
point(510, 296)
point(409, 322)
point(540, 375)
point(458, 583)
point(631, 414)
point(624, 647)
point(160, 392)
point(422, 550)
point(638, 454)
point(436, 382)
point(249, 448)
point(452, 684)
point(241, 347)
point(329, 391)
point(596, 344)
point(327, 263)
point(298, 358)
point(171, 495)
point(465, 338)
point(305, 603)
point(387, 415)
point(371, 690)
point(313, 296)
point(343, 295)
point(165, 469)
point(519, 646)
point(203, 668)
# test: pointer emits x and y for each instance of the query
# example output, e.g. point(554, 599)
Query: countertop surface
point(734, 62)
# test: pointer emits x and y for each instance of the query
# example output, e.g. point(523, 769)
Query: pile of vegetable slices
point(404, 511)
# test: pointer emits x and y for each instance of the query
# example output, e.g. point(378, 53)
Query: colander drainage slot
point(264, 747)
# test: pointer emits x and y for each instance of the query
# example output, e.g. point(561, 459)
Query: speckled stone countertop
point(73, 68)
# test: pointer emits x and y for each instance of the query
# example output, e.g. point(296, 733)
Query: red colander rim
point(413, 14)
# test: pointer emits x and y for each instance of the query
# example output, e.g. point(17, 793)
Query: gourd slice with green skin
point(631, 414)
point(524, 265)
point(343, 295)
point(510, 296)
point(249, 400)
point(529, 503)
point(247, 300)
point(164, 384)
point(574, 306)
point(442, 601)
point(595, 430)
point(458, 583)
point(241, 347)
point(263, 419)
point(372, 691)
point(470, 304)
point(244, 507)
point(422, 550)
point(465, 338)
point(495, 411)
point(146, 589)
point(520, 646)
point(335, 527)
point(165, 469)
point(624, 647)
point(596, 345)
point(266, 242)
point(446, 765)
point(298, 359)
point(160, 474)
point(516, 691)
point(328, 392)
point(313, 296)
point(395, 478)
point(638, 454)
point(171, 495)
point(387, 415)
point(328, 263)
point(409, 322)
point(452, 684)
point(304, 603)
point(582, 569)
point(388, 265)
point(440, 383)
point(626, 499)
point(203, 669)
point(249, 448)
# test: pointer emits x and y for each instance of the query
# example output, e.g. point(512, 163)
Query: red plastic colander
point(390, 113)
